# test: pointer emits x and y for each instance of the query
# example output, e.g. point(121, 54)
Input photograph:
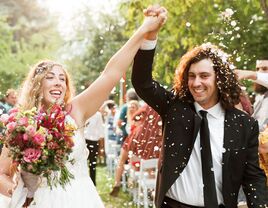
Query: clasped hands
point(155, 18)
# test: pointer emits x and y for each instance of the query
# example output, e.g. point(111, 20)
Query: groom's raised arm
point(146, 87)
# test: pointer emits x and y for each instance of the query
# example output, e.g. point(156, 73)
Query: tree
point(27, 35)
point(102, 41)
point(264, 6)
point(238, 26)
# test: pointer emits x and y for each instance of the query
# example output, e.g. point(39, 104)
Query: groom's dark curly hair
point(227, 83)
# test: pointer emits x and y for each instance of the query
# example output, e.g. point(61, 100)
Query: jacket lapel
point(227, 145)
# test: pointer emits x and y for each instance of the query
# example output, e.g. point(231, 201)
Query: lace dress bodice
point(79, 153)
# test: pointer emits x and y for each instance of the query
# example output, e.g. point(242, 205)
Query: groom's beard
point(260, 89)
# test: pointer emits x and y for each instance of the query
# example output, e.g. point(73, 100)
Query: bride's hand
point(154, 10)
point(11, 189)
point(155, 18)
point(7, 185)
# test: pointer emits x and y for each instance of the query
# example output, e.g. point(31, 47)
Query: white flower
point(238, 59)
point(233, 23)
point(237, 28)
point(232, 67)
point(206, 45)
point(227, 13)
point(254, 17)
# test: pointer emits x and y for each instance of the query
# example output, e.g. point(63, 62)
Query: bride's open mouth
point(55, 93)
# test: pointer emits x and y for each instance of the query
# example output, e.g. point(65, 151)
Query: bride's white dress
point(80, 193)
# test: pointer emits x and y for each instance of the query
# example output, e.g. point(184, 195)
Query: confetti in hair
point(228, 86)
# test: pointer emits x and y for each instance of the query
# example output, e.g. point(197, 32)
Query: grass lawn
point(104, 186)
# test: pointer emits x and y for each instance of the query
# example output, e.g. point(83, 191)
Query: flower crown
point(43, 67)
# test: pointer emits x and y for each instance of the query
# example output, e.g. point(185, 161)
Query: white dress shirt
point(94, 129)
point(261, 110)
point(188, 188)
point(262, 79)
point(148, 44)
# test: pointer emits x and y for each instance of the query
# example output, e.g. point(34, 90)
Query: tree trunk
point(264, 7)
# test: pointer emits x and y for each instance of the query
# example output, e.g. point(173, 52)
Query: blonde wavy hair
point(30, 95)
point(130, 114)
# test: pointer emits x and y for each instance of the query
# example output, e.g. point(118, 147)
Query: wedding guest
point(147, 142)
point(122, 121)
point(10, 99)
point(48, 83)
point(2, 111)
point(109, 125)
point(209, 148)
point(94, 131)
point(132, 108)
point(260, 78)
point(144, 142)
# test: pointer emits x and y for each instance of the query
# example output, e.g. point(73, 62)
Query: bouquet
point(263, 137)
point(40, 142)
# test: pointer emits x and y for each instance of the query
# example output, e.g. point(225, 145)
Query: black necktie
point(210, 195)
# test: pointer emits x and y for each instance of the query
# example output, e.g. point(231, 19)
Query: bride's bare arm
point(6, 183)
point(88, 102)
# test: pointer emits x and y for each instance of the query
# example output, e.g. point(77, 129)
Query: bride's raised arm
point(88, 102)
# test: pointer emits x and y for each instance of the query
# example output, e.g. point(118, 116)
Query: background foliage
point(193, 22)
point(30, 33)
point(27, 35)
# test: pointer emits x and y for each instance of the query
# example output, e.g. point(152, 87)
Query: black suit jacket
point(180, 127)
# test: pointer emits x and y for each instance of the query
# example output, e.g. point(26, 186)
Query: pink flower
point(31, 155)
point(30, 130)
point(11, 126)
point(39, 139)
point(13, 110)
point(4, 118)
point(25, 137)
point(23, 121)
point(12, 117)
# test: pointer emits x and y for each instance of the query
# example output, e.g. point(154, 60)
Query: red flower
point(52, 145)
point(39, 139)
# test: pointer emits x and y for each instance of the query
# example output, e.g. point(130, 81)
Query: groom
point(210, 148)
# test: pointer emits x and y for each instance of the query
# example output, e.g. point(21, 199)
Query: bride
point(47, 83)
